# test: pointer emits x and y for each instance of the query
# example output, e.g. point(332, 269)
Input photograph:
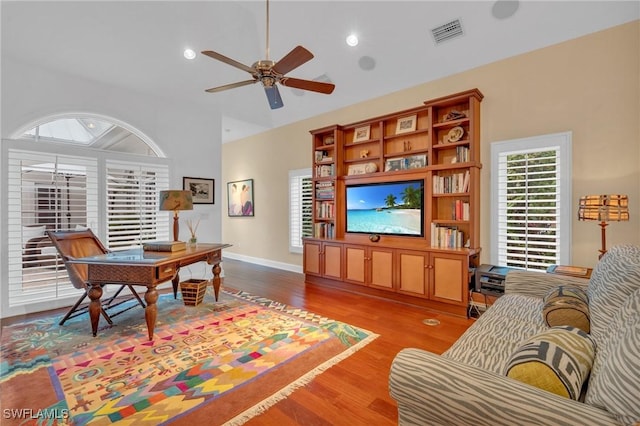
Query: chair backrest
point(76, 244)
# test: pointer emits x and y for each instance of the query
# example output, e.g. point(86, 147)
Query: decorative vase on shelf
point(193, 241)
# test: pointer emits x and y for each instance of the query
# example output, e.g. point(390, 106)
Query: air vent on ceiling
point(447, 31)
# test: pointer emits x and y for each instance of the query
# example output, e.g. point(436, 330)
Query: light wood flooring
point(355, 391)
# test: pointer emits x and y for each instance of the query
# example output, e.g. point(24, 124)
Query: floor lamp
point(175, 200)
point(604, 208)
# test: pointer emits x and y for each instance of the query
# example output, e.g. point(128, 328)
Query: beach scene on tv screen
point(392, 208)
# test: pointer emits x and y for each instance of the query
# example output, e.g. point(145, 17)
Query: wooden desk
point(145, 268)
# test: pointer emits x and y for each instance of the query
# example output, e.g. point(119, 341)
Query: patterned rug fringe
point(283, 393)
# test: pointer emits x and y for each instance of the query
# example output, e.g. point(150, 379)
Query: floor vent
point(447, 31)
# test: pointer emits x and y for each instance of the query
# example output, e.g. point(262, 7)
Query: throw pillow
point(557, 360)
point(29, 232)
point(616, 371)
point(567, 305)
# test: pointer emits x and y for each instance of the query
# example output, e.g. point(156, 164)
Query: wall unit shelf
point(437, 143)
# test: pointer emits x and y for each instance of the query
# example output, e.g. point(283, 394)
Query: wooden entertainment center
point(437, 143)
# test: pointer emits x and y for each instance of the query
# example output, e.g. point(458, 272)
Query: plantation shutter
point(46, 191)
point(300, 208)
point(132, 204)
point(532, 229)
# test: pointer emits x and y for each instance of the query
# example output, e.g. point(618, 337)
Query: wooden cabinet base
point(401, 298)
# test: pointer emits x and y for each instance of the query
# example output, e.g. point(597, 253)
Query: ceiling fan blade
point(230, 86)
point(314, 86)
point(234, 63)
point(273, 95)
point(292, 60)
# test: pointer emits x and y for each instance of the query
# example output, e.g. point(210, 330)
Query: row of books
point(451, 184)
point(462, 154)
point(324, 230)
point(446, 236)
point(325, 209)
point(460, 210)
point(324, 170)
point(325, 190)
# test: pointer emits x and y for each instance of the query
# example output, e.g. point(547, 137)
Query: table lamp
point(604, 208)
point(175, 200)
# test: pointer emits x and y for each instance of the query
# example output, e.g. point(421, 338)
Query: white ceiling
point(138, 45)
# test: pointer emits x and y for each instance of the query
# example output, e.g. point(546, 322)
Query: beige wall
point(589, 86)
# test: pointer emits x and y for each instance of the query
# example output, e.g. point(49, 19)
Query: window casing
point(300, 208)
point(531, 201)
point(61, 190)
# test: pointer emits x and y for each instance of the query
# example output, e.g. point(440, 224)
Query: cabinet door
point(355, 264)
point(449, 282)
point(412, 273)
point(311, 258)
point(381, 271)
point(332, 255)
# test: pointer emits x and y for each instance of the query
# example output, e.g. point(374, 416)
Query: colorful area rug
point(217, 363)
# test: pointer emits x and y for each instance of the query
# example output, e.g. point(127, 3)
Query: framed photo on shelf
point(393, 164)
point(201, 189)
point(416, 161)
point(361, 134)
point(406, 124)
point(240, 198)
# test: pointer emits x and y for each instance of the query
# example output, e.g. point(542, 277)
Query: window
point(132, 203)
point(300, 199)
point(531, 201)
point(45, 192)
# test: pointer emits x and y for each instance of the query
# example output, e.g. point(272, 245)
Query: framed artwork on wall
point(240, 198)
point(201, 189)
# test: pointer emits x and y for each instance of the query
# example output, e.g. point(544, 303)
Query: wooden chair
point(75, 244)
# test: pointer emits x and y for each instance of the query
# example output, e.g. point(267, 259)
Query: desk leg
point(95, 306)
point(175, 281)
point(216, 279)
point(151, 311)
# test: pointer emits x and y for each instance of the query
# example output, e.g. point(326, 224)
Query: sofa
point(472, 382)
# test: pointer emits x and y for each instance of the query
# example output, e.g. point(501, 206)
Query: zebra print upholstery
point(466, 385)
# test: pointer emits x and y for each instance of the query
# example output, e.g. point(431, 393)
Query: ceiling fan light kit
point(270, 73)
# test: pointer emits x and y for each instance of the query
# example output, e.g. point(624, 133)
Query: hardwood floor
point(355, 391)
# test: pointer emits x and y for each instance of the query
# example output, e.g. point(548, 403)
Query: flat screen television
point(391, 208)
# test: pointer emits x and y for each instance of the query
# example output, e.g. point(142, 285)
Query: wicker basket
point(193, 291)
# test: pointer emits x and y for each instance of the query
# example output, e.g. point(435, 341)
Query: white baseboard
point(260, 261)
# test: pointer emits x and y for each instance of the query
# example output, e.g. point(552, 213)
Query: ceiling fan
point(269, 73)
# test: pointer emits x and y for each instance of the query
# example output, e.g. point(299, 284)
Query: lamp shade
point(604, 208)
point(175, 200)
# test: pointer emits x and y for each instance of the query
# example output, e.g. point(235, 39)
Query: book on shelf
point(164, 245)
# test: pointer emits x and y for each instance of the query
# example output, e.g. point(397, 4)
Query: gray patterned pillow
point(616, 372)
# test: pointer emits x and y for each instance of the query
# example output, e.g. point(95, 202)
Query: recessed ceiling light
point(189, 54)
point(352, 40)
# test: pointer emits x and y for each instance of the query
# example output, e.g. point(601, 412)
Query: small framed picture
point(393, 164)
point(362, 133)
point(416, 161)
point(406, 124)
point(201, 189)
point(240, 198)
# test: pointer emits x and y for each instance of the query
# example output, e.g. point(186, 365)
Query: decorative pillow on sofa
point(616, 370)
point(567, 305)
point(557, 360)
